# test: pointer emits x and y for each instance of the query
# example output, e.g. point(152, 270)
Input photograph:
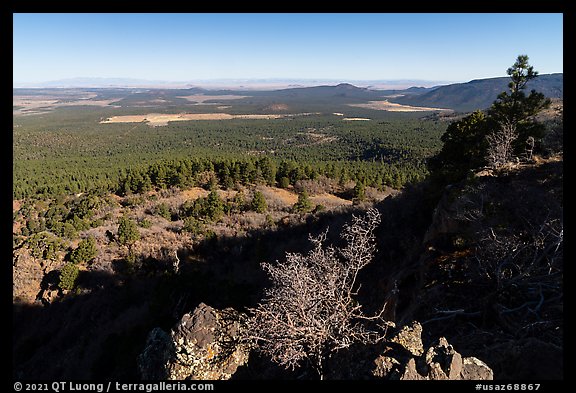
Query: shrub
point(284, 182)
point(97, 223)
point(145, 223)
point(303, 205)
point(163, 211)
point(239, 202)
point(133, 201)
point(127, 231)
point(193, 226)
point(85, 251)
point(65, 230)
point(270, 221)
point(319, 208)
point(258, 203)
point(68, 276)
point(214, 207)
point(45, 246)
point(359, 192)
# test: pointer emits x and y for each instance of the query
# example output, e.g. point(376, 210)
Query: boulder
point(476, 369)
point(205, 344)
point(443, 361)
point(404, 358)
point(410, 337)
point(154, 362)
point(386, 366)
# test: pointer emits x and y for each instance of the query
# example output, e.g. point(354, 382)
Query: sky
point(188, 47)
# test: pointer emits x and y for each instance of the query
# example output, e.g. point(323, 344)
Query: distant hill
point(479, 93)
point(462, 97)
point(340, 90)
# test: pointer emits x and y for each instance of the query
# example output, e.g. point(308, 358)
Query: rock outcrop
point(404, 358)
point(204, 344)
point(31, 278)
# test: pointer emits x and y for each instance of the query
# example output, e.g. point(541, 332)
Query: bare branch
point(500, 145)
point(310, 310)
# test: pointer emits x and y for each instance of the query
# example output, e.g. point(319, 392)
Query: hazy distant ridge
point(463, 97)
point(255, 84)
point(480, 93)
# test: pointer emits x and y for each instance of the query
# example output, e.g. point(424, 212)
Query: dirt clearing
point(197, 192)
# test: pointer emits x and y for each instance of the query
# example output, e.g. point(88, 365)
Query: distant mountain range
point(234, 84)
point(478, 94)
point(98, 83)
point(461, 97)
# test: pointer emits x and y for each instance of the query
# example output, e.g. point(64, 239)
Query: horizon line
point(272, 82)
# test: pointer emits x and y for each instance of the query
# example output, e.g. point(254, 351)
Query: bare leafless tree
point(176, 262)
point(500, 145)
point(310, 310)
point(530, 143)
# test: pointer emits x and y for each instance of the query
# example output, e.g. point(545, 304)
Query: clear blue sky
point(187, 47)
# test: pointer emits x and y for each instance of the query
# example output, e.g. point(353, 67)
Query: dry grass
point(374, 195)
point(197, 192)
point(329, 201)
point(43, 104)
point(392, 107)
point(279, 197)
point(261, 117)
point(317, 186)
point(194, 193)
point(555, 111)
point(161, 119)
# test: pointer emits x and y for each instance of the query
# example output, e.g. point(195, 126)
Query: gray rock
point(153, 362)
point(475, 369)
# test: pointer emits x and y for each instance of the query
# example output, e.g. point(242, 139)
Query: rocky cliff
point(490, 277)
